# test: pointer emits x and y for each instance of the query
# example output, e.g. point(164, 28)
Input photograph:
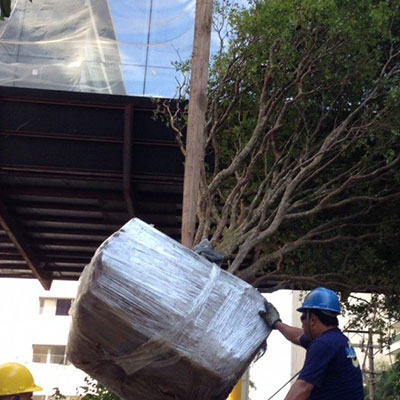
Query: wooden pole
point(372, 389)
point(196, 117)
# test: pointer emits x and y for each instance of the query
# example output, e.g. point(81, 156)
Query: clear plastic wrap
point(103, 46)
point(153, 320)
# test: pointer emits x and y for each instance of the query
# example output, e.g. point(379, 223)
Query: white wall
point(23, 326)
point(273, 370)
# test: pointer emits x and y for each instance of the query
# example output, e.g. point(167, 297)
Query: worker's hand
point(270, 315)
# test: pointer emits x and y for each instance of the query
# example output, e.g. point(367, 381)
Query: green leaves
point(96, 391)
point(5, 9)
point(388, 385)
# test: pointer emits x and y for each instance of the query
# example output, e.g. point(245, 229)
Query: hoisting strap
point(294, 376)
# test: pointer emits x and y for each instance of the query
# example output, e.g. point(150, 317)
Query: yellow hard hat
point(16, 379)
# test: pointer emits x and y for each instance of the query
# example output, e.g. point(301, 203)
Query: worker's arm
point(300, 390)
point(291, 333)
point(271, 316)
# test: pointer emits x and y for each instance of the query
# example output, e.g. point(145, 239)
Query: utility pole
point(371, 365)
point(196, 118)
point(369, 375)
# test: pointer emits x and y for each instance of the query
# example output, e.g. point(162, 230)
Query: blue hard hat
point(321, 299)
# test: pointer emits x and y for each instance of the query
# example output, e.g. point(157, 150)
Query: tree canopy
point(300, 182)
point(388, 385)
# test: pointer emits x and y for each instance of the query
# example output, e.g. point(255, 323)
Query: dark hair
point(326, 319)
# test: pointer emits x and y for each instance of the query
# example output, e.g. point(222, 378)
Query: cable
point(294, 376)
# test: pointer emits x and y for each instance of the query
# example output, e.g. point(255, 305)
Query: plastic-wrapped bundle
point(153, 320)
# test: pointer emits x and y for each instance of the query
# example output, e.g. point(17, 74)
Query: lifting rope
point(294, 376)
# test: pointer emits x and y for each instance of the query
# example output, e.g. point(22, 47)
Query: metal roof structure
point(78, 157)
point(74, 167)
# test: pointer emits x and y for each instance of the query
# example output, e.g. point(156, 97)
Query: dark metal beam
point(73, 259)
point(64, 136)
point(11, 257)
point(11, 266)
point(60, 192)
point(62, 269)
point(18, 274)
point(66, 243)
point(54, 255)
point(127, 160)
point(69, 222)
point(9, 224)
point(66, 233)
point(66, 207)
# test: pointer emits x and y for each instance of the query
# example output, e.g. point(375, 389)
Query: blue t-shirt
point(331, 365)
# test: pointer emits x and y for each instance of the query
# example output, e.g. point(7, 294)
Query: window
point(54, 306)
point(49, 354)
point(40, 353)
point(63, 306)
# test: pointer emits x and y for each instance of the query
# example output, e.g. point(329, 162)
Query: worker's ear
point(313, 319)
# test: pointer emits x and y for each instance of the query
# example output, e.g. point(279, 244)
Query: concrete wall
point(23, 326)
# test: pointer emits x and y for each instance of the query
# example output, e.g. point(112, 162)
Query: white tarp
point(114, 47)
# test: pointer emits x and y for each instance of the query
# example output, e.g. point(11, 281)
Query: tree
point(300, 179)
point(96, 391)
point(388, 385)
point(5, 9)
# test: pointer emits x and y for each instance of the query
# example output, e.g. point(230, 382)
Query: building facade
point(35, 334)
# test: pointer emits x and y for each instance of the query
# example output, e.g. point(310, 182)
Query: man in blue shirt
point(331, 370)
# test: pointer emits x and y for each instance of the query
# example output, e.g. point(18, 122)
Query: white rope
point(294, 376)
